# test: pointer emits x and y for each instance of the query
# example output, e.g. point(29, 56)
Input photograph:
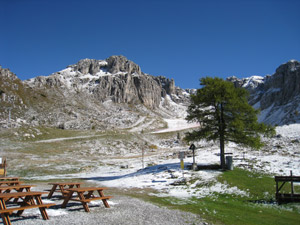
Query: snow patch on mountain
point(252, 82)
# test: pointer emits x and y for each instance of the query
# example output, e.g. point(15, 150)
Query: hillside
point(115, 131)
point(92, 94)
point(114, 93)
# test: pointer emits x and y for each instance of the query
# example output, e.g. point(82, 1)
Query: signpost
point(193, 147)
point(181, 156)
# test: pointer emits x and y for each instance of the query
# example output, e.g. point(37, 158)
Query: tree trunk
point(222, 138)
point(222, 152)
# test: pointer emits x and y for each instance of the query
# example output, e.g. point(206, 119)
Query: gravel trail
point(124, 210)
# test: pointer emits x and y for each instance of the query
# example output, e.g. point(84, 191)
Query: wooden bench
point(19, 188)
point(86, 195)
point(29, 200)
point(287, 197)
point(95, 198)
point(10, 182)
point(8, 178)
point(22, 208)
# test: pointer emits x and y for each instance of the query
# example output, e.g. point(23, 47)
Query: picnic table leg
point(16, 199)
point(89, 195)
point(27, 189)
point(62, 188)
point(4, 216)
point(43, 209)
point(68, 197)
point(103, 200)
point(85, 205)
point(28, 200)
point(52, 191)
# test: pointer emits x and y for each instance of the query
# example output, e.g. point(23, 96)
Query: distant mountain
point(93, 93)
point(114, 93)
point(277, 96)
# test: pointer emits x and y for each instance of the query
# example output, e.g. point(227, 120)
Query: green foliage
point(153, 147)
point(225, 115)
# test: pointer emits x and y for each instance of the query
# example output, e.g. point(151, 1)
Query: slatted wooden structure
point(286, 197)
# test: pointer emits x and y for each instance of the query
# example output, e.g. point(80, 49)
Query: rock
point(116, 64)
point(92, 94)
point(277, 96)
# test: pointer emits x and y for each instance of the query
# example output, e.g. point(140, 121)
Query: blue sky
point(183, 40)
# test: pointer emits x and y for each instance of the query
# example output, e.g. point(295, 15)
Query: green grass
point(260, 186)
point(236, 210)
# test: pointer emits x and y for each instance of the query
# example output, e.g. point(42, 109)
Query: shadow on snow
point(170, 167)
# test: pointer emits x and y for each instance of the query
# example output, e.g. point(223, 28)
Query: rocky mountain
point(93, 93)
point(115, 93)
point(277, 95)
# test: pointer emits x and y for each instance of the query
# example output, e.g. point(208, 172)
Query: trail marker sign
point(181, 156)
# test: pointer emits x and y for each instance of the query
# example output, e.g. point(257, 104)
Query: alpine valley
point(106, 123)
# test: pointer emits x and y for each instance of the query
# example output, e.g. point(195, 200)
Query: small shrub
point(153, 147)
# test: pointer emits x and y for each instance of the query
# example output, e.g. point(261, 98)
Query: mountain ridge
point(277, 95)
point(115, 93)
point(100, 94)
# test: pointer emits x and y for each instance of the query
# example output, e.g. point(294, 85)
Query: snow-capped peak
point(252, 82)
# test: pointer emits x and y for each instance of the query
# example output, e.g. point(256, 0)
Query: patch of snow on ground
point(292, 131)
point(177, 124)
point(167, 178)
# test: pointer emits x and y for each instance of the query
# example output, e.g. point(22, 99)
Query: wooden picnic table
point(29, 200)
point(86, 195)
point(8, 178)
point(10, 182)
point(18, 188)
point(62, 186)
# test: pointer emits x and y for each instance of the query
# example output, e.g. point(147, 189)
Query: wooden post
point(292, 183)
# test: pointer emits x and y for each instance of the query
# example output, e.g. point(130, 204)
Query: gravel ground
point(124, 210)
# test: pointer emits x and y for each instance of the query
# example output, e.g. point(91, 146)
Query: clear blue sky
point(184, 40)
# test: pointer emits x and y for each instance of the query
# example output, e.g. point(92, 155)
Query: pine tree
point(224, 114)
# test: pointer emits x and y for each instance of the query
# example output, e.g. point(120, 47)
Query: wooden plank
point(11, 182)
point(3, 188)
point(96, 198)
point(83, 189)
point(287, 178)
point(21, 194)
point(10, 210)
point(64, 183)
point(9, 178)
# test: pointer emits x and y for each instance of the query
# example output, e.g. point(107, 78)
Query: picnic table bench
point(29, 200)
point(18, 188)
point(10, 182)
point(8, 178)
point(62, 187)
point(86, 195)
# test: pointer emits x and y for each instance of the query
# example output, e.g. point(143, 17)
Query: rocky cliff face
point(101, 94)
point(115, 93)
point(115, 78)
point(277, 96)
